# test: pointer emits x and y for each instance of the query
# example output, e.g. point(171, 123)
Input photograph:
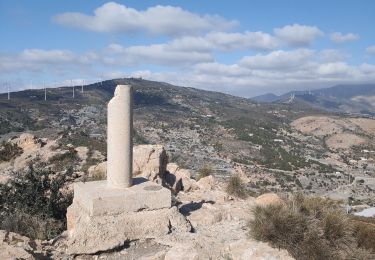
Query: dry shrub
point(205, 171)
point(309, 228)
point(8, 151)
point(98, 176)
point(236, 187)
point(364, 231)
point(34, 203)
point(32, 226)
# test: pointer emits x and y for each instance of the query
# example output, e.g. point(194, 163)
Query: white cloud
point(334, 68)
point(159, 54)
point(338, 37)
point(278, 60)
point(187, 50)
point(35, 59)
point(276, 71)
point(370, 49)
point(47, 56)
point(298, 35)
point(246, 40)
point(215, 68)
point(159, 20)
point(332, 55)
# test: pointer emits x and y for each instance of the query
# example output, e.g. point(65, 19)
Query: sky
point(244, 48)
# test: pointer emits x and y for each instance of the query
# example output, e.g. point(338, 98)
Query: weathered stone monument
point(106, 214)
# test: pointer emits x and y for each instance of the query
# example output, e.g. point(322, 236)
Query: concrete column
point(120, 138)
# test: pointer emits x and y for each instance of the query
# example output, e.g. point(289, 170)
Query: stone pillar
point(120, 138)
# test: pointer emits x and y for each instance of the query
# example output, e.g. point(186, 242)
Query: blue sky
point(244, 48)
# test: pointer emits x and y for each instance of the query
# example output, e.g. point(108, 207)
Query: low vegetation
point(236, 187)
point(8, 151)
point(61, 161)
point(34, 203)
point(205, 171)
point(309, 228)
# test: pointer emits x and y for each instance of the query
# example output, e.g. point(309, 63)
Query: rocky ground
point(218, 222)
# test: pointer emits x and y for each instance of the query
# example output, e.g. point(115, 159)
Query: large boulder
point(149, 162)
point(178, 179)
point(206, 183)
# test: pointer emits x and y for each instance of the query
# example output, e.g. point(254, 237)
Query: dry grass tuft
point(309, 228)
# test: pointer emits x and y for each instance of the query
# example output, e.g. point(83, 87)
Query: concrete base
point(102, 218)
point(97, 198)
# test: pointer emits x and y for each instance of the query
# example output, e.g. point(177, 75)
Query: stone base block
point(97, 198)
point(92, 234)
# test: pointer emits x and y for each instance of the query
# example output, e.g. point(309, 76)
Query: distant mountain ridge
point(353, 98)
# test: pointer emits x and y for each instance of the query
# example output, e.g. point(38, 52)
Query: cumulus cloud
point(160, 20)
point(370, 49)
point(36, 59)
point(277, 70)
point(298, 35)
point(246, 40)
point(159, 54)
point(332, 55)
point(188, 50)
point(278, 60)
point(338, 37)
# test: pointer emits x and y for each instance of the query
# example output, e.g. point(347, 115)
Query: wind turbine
point(45, 91)
point(8, 90)
point(71, 83)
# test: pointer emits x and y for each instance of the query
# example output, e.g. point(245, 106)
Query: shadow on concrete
point(139, 180)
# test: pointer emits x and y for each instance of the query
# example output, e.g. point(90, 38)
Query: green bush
point(236, 187)
point(309, 228)
point(34, 203)
point(64, 160)
point(8, 151)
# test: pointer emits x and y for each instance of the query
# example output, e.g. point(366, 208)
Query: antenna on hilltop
point(83, 83)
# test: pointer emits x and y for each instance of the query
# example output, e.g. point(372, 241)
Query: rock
point(150, 162)
point(206, 183)
point(96, 155)
point(178, 179)
point(247, 249)
point(182, 252)
point(268, 199)
point(27, 142)
point(207, 215)
point(14, 246)
point(98, 171)
point(82, 152)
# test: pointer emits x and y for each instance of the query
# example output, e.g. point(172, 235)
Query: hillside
point(352, 99)
point(200, 130)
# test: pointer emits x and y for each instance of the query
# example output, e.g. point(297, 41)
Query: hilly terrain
point(280, 146)
point(352, 99)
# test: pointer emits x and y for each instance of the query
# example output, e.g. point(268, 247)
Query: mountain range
point(352, 99)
